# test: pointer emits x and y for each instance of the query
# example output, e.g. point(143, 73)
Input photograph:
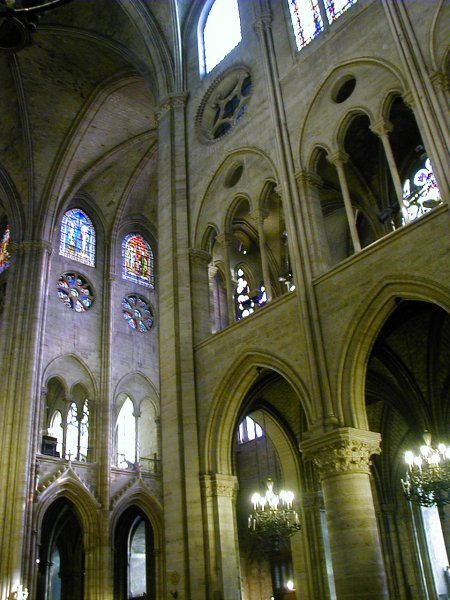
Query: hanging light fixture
point(427, 480)
point(273, 519)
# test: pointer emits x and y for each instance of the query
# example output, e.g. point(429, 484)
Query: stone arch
point(71, 370)
point(138, 386)
point(361, 335)
point(322, 107)
point(228, 399)
point(211, 232)
point(68, 486)
point(11, 202)
point(257, 167)
point(141, 497)
point(344, 124)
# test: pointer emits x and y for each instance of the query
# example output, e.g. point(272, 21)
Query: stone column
point(20, 399)
point(338, 159)
point(382, 128)
point(200, 293)
point(184, 543)
point(309, 186)
point(342, 458)
point(219, 498)
point(226, 239)
point(259, 216)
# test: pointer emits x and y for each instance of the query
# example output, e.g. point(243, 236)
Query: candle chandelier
point(273, 519)
point(427, 480)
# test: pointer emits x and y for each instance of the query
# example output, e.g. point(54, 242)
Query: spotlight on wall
point(427, 480)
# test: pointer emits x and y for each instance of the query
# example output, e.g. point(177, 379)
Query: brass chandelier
point(273, 519)
point(427, 480)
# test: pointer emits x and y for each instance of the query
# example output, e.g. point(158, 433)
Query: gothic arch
point(322, 107)
point(11, 203)
point(206, 212)
point(361, 335)
point(228, 400)
point(71, 370)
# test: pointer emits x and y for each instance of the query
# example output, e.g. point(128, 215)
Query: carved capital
point(219, 485)
point(200, 257)
point(309, 178)
point(408, 99)
point(381, 127)
point(226, 239)
point(259, 215)
point(346, 450)
point(170, 102)
point(263, 23)
point(29, 247)
point(440, 80)
point(338, 157)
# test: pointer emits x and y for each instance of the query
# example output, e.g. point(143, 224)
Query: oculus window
point(219, 33)
point(75, 291)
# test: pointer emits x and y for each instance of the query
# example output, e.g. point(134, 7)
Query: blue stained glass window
point(5, 256)
point(137, 260)
point(306, 20)
point(78, 237)
point(335, 8)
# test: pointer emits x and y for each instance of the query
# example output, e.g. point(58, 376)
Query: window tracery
point(75, 291)
point(420, 191)
point(77, 237)
point(137, 313)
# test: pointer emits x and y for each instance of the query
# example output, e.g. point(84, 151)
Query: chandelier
point(273, 519)
point(427, 480)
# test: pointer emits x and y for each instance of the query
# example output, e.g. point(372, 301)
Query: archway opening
point(61, 557)
point(263, 447)
point(134, 569)
point(407, 393)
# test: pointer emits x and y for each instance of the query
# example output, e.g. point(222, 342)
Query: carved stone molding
point(309, 178)
point(346, 450)
point(381, 127)
point(219, 485)
point(338, 157)
point(28, 247)
point(170, 102)
point(200, 257)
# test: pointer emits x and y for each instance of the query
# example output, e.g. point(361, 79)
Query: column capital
point(310, 178)
point(31, 246)
point(259, 214)
point(225, 238)
point(440, 80)
point(219, 485)
point(174, 100)
point(346, 450)
point(381, 127)
point(339, 156)
point(201, 257)
point(263, 22)
point(408, 99)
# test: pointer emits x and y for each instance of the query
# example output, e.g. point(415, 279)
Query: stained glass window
point(5, 256)
point(221, 33)
point(137, 260)
point(137, 313)
point(420, 192)
point(335, 8)
point(245, 306)
point(306, 20)
point(75, 291)
point(77, 237)
point(308, 17)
